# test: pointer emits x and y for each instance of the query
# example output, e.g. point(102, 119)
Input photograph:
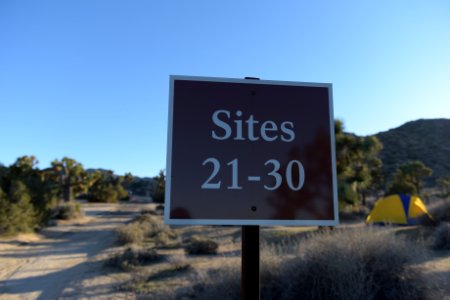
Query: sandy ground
point(439, 269)
point(65, 261)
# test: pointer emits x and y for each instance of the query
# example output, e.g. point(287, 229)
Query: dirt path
point(66, 262)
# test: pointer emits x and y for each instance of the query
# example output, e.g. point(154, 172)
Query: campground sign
point(250, 152)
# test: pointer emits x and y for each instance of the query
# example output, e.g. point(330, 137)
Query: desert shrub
point(146, 226)
point(27, 196)
point(68, 211)
point(17, 213)
point(132, 233)
point(104, 193)
point(155, 227)
point(201, 245)
point(133, 257)
point(359, 264)
point(441, 237)
point(350, 264)
point(440, 210)
point(107, 187)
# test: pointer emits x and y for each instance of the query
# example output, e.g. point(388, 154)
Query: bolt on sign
point(250, 152)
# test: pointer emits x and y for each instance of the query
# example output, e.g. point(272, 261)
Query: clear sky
point(89, 79)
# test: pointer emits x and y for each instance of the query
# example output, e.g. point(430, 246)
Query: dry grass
point(356, 262)
point(134, 257)
point(440, 210)
point(158, 283)
point(441, 237)
point(132, 233)
point(352, 213)
point(146, 227)
point(350, 264)
point(201, 245)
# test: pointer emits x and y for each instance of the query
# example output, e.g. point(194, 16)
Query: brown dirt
point(65, 261)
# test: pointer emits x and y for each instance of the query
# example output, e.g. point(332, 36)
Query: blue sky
point(89, 79)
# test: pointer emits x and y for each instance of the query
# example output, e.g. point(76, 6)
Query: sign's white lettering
point(213, 183)
point(232, 125)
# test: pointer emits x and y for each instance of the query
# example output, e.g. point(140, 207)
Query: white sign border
point(278, 222)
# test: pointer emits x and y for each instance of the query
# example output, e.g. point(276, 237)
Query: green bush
point(17, 213)
point(201, 245)
point(104, 194)
point(68, 211)
point(107, 188)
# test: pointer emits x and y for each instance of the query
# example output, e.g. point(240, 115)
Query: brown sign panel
point(250, 152)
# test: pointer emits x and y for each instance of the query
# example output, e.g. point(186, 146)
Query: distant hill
point(93, 170)
point(427, 140)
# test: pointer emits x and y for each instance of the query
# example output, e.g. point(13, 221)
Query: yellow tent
point(399, 209)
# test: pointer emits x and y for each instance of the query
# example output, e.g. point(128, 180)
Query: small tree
point(408, 178)
point(23, 165)
point(158, 193)
point(107, 188)
point(127, 180)
point(358, 165)
point(41, 191)
point(70, 176)
point(17, 213)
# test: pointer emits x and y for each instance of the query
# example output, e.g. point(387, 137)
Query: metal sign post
point(250, 259)
point(250, 289)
